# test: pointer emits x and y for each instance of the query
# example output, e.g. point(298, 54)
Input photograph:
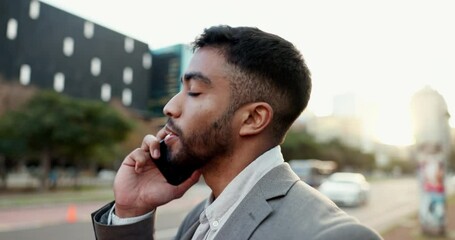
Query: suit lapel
point(245, 219)
point(254, 208)
point(190, 232)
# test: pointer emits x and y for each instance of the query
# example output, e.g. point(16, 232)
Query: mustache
point(176, 129)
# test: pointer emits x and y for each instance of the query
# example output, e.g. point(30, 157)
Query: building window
point(89, 30)
point(129, 45)
point(95, 66)
point(147, 60)
point(68, 46)
point(59, 82)
point(24, 74)
point(105, 92)
point(127, 97)
point(34, 9)
point(11, 29)
point(127, 75)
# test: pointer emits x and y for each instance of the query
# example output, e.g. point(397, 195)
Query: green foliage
point(57, 126)
point(11, 143)
point(406, 167)
point(451, 160)
point(348, 157)
point(301, 145)
point(67, 126)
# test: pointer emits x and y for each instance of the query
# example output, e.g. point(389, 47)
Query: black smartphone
point(173, 173)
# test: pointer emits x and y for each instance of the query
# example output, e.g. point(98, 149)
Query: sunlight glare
point(394, 127)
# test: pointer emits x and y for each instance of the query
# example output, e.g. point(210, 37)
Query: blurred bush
point(299, 144)
point(53, 126)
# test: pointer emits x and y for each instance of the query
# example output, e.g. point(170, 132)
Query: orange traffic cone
point(71, 214)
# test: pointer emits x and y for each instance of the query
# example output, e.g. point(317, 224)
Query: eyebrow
point(196, 76)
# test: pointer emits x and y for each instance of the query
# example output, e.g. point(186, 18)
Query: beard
point(204, 145)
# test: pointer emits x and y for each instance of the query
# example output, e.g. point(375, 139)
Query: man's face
point(199, 126)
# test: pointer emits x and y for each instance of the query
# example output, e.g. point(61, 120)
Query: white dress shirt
point(218, 211)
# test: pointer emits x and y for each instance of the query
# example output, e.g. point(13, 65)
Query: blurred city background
point(81, 83)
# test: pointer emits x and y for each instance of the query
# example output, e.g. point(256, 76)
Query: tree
point(11, 145)
point(12, 95)
point(301, 145)
point(56, 126)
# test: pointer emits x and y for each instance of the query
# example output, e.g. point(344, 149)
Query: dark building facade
point(46, 47)
point(169, 63)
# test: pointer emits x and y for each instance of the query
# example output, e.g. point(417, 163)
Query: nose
point(172, 108)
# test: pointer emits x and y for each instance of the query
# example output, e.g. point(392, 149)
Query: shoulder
point(331, 221)
point(309, 213)
point(348, 231)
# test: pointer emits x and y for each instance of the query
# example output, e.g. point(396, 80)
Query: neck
point(221, 171)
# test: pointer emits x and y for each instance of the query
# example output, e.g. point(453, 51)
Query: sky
point(380, 51)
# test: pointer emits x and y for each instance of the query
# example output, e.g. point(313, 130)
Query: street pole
point(431, 150)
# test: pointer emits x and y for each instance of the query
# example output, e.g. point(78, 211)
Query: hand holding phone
point(173, 173)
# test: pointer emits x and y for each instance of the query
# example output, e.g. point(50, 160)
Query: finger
point(148, 139)
point(161, 134)
point(138, 159)
point(151, 144)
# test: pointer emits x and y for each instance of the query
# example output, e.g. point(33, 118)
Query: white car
point(346, 189)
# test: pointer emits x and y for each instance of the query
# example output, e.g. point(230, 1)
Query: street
point(390, 200)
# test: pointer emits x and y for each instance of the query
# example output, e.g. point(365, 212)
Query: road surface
point(391, 200)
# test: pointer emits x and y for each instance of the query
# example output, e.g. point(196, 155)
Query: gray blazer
point(279, 206)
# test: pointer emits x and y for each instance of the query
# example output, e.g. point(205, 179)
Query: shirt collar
point(220, 209)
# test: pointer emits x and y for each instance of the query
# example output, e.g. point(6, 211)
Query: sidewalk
point(36, 210)
point(39, 209)
point(409, 228)
point(17, 218)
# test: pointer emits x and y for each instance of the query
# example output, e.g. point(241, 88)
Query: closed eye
point(193, 94)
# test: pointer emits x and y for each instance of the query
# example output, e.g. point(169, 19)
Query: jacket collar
point(190, 232)
point(255, 207)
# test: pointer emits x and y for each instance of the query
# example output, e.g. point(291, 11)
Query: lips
point(171, 136)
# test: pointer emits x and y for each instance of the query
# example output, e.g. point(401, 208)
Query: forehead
point(210, 63)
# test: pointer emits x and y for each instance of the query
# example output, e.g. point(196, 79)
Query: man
point(242, 91)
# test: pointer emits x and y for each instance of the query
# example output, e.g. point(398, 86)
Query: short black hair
point(267, 68)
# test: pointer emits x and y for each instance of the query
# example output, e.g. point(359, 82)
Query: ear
point(255, 118)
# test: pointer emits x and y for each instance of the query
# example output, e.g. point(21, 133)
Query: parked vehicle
point(346, 189)
point(312, 171)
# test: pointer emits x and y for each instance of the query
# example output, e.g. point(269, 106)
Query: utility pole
point(431, 151)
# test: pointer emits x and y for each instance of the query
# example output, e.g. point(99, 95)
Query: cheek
point(201, 114)
point(196, 117)
point(204, 110)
